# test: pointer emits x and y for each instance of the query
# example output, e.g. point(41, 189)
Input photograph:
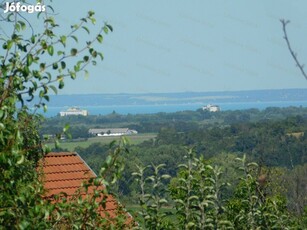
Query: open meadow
point(70, 145)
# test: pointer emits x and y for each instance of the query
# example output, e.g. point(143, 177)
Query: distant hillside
point(178, 98)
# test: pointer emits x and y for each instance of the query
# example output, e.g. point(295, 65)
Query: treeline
point(277, 145)
point(270, 143)
point(152, 123)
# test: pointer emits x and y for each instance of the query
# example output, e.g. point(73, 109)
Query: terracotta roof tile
point(71, 183)
point(66, 168)
point(67, 175)
point(65, 172)
point(62, 160)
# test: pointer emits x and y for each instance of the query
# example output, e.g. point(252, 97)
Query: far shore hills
point(204, 98)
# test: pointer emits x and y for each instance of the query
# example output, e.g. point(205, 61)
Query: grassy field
point(133, 139)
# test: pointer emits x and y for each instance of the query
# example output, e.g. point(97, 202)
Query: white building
point(73, 112)
point(212, 108)
point(111, 132)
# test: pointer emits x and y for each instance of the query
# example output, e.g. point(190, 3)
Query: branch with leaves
point(31, 64)
point(36, 61)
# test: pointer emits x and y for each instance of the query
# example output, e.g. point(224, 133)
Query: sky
point(196, 45)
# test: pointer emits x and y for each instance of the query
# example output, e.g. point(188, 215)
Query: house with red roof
point(64, 175)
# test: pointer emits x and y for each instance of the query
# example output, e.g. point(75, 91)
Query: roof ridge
point(46, 164)
point(65, 187)
point(75, 178)
point(66, 172)
point(85, 194)
point(60, 154)
point(70, 171)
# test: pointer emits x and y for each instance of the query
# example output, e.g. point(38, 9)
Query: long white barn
point(111, 132)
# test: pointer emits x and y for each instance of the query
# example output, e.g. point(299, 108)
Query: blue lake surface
point(168, 108)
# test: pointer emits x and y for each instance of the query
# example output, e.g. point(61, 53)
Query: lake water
point(168, 108)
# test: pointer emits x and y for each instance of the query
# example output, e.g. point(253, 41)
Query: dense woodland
point(274, 138)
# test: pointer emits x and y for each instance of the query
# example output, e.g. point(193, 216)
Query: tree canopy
point(34, 62)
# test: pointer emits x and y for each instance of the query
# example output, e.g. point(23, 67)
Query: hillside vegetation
point(275, 139)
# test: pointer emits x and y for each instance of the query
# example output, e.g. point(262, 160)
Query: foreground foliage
point(196, 197)
point(31, 65)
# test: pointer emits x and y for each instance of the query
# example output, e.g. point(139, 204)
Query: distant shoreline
point(150, 109)
point(171, 102)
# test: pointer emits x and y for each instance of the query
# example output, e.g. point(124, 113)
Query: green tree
point(196, 198)
point(32, 65)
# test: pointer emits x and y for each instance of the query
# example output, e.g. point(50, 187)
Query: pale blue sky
point(195, 45)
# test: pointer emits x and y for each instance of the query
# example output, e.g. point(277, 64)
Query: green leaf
point(57, 143)
point(191, 224)
point(90, 13)
point(102, 170)
point(193, 198)
point(61, 84)
point(254, 164)
point(100, 55)
point(46, 97)
point(86, 29)
point(99, 38)
point(51, 8)
point(162, 201)
point(66, 127)
point(50, 50)
point(63, 65)
point(74, 37)
point(41, 93)
point(42, 66)
point(22, 24)
point(73, 52)
point(45, 108)
point(54, 89)
point(49, 76)
point(94, 54)
point(21, 160)
point(60, 53)
point(33, 39)
point(63, 40)
point(105, 29)
point(109, 160)
point(34, 83)
point(165, 176)
point(1, 114)
point(86, 58)
point(110, 27)
point(86, 74)
point(77, 68)
point(17, 27)
point(73, 75)
point(55, 65)
point(93, 20)
point(29, 59)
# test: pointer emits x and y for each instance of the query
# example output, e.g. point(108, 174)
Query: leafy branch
point(24, 68)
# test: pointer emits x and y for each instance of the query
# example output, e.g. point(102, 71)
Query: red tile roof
point(65, 172)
